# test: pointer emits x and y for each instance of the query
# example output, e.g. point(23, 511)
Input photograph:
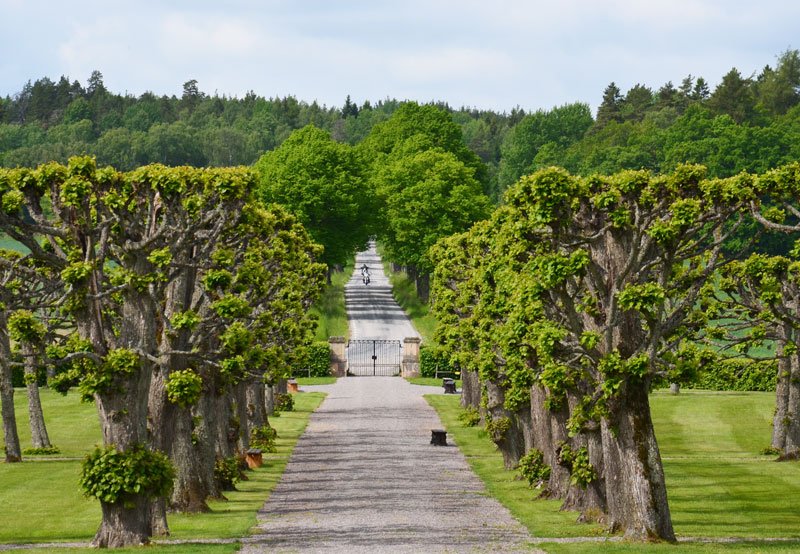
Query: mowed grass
point(330, 309)
point(718, 483)
point(418, 312)
point(48, 505)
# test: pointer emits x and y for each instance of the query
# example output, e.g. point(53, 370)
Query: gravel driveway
point(364, 476)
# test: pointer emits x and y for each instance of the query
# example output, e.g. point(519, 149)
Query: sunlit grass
point(330, 309)
point(44, 502)
point(718, 483)
point(405, 293)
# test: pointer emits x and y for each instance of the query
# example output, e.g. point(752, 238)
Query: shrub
point(532, 468)
point(43, 451)
point(497, 428)
point(469, 417)
point(432, 360)
point(263, 438)
point(318, 362)
point(284, 402)
point(112, 476)
point(226, 472)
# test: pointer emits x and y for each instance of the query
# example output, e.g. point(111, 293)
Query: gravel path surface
point(365, 478)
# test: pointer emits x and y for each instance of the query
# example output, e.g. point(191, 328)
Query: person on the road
point(365, 274)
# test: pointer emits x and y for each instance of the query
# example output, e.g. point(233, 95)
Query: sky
point(498, 54)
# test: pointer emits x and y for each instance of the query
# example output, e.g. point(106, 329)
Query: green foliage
point(76, 273)
point(318, 361)
point(185, 320)
point(284, 402)
point(469, 416)
point(497, 428)
point(23, 326)
point(102, 378)
point(113, 476)
point(263, 438)
point(433, 360)
point(736, 374)
point(183, 387)
point(322, 182)
point(227, 473)
point(577, 462)
point(533, 468)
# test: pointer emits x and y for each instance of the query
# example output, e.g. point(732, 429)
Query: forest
point(745, 123)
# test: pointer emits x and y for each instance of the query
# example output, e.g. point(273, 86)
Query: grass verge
point(406, 295)
point(330, 309)
point(430, 381)
point(316, 380)
point(48, 504)
point(719, 486)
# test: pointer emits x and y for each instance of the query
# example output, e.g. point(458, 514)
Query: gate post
point(410, 363)
point(338, 356)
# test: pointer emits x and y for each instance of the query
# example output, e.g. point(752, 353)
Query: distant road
point(371, 309)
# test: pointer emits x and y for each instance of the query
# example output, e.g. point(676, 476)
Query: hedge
point(737, 374)
point(432, 360)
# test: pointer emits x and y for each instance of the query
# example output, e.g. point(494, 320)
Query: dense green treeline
point(745, 123)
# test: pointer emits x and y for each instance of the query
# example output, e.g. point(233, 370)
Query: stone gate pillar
point(338, 356)
point(410, 363)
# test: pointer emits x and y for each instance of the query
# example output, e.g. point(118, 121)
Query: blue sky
point(495, 55)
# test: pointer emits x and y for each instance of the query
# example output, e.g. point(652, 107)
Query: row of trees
point(579, 295)
point(410, 182)
point(169, 297)
point(743, 124)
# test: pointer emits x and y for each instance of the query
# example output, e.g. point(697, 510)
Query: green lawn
point(406, 295)
point(718, 484)
point(330, 309)
point(48, 505)
point(315, 380)
point(430, 381)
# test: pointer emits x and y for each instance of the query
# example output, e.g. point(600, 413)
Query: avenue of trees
point(581, 294)
point(577, 263)
point(167, 296)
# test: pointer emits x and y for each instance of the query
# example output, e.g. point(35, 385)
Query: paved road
point(364, 476)
point(371, 309)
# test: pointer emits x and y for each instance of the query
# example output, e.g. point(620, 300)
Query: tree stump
point(438, 437)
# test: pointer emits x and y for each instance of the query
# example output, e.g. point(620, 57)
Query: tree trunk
point(190, 488)
point(470, 389)
point(558, 486)
point(781, 419)
point(124, 526)
point(39, 438)
point(209, 417)
point(635, 490)
point(156, 408)
point(792, 418)
point(509, 439)
point(591, 500)
point(10, 434)
point(269, 400)
point(256, 404)
point(240, 407)
point(423, 285)
point(123, 412)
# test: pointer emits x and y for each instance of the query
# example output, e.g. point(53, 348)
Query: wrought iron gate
point(373, 357)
